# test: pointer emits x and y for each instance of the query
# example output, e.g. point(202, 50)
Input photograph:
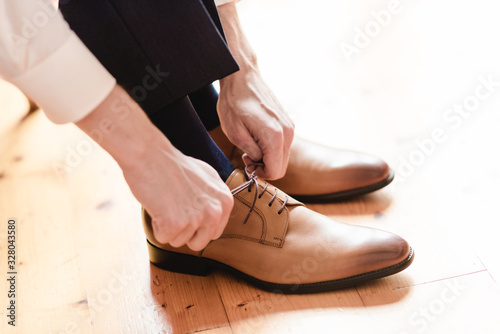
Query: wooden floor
point(82, 261)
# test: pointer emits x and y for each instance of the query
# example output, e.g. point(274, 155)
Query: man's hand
point(185, 197)
point(250, 115)
point(254, 120)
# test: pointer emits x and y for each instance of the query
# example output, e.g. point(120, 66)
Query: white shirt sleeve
point(45, 59)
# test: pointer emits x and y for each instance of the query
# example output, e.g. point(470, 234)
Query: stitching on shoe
point(261, 215)
point(264, 228)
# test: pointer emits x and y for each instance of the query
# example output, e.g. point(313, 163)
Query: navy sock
point(205, 103)
point(180, 123)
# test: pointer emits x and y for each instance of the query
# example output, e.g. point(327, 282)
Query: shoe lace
point(252, 180)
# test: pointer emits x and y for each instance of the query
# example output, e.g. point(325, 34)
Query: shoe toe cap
point(385, 250)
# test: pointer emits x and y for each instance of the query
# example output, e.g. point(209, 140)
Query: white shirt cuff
point(69, 84)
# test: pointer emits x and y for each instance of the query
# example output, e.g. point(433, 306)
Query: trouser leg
point(160, 51)
point(182, 126)
point(205, 103)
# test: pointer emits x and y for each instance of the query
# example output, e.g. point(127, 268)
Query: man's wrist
point(236, 39)
point(122, 128)
point(235, 80)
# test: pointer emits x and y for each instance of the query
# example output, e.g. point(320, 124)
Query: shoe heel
point(177, 262)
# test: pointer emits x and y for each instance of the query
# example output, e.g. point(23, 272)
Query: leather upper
point(297, 246)
point(315, 169)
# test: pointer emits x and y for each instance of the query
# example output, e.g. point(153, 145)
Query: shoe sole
point(346, 194)
point(199, 266)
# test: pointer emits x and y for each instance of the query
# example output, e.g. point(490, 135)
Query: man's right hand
point(185, 197)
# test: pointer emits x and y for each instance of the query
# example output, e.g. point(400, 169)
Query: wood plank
point(463, 304)
point(251, 310)
point(49, 280)
point(13, 105)
point(219, 330)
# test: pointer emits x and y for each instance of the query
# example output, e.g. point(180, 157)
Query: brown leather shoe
point(319, 174)
point(276, 243)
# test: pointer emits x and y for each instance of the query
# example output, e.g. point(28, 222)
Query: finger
point(249, 161)
point(183, 237)
point(247, 144)
point(287, 135)
point(257, 168)
point(213, 216)
point(288, 140)
point(162, 234)
point(273, 156)
point(227, 208)
point(200, 239)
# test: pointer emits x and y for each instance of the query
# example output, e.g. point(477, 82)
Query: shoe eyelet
point(269, 205)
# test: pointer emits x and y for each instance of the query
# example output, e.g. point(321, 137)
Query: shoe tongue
point(238, 177)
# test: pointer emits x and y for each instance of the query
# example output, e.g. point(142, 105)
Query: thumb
point(259, 170)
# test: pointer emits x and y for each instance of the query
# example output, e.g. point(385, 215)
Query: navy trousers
point(162, 52)
point(158, 50)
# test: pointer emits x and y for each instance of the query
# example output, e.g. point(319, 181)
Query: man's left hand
point(254, 120)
